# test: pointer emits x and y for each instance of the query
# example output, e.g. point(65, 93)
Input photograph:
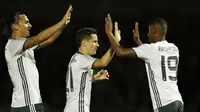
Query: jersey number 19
point(169, 63)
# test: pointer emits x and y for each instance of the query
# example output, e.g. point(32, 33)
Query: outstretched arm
point(52, 38)
point(120, 51)
point(106, 58)
point(47, 36)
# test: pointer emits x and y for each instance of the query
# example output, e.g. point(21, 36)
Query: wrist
point(64, 25)
point(109, 34)
point(94, 78)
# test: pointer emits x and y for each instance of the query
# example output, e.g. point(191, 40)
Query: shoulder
point(147, 46)
point(17, 39)
point(12, 41)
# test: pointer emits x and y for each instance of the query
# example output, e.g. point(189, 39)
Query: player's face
point(23, 26)
point(92, 45)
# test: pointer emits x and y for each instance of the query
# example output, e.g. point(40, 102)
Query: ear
point(154, 30)
point(15, 27)
point(83, 43)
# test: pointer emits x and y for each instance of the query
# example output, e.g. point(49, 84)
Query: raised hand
point(101, 75)
point(136, 32)
point(67, 16)
point(117, 32)
point(136, 36)
point(108, 24)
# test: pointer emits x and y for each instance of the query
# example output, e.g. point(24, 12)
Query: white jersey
point(161, 60)
point(78, 83)
point(23, 72)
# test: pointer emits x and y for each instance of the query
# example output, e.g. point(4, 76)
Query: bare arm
point(52, 38)
point(120, 51)
point(103, 62)
point(105, 59)
point(47, 36)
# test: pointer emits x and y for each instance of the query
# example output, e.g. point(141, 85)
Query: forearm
point(120, 51)
point(54, 31)
point(51, 38)
point(50, 34)
point(106, 58)
point(114, 43)
point(47, 33)
point(56, 35)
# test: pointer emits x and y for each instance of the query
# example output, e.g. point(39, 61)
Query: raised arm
point(106, 58)
point(50, 34)
point(120, 51)
point(52, 38)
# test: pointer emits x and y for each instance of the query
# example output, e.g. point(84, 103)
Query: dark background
point(127, 90)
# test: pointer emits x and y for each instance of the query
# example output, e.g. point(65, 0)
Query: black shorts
point(31, 108)
point(175, 106)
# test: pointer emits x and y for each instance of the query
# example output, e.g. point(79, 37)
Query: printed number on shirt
point(169, 66)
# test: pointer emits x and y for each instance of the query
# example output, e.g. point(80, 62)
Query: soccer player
point(19, 53)
point(80, 71)
point(161, 60)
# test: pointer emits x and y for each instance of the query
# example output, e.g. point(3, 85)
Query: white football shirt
point(79, 82)
point(161, 60)
point(23, 72)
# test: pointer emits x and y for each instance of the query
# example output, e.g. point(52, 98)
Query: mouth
point(28, 30)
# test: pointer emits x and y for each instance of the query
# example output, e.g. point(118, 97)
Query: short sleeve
point(84, 61)
point(88, 63)
point(143, 51)
point(15, 46)
point(34, 48)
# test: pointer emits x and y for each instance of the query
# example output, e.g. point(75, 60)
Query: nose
point(97, 44)
point(30, 26)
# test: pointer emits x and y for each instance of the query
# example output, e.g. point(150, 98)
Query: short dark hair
point(16, 17)
point(84, 33)
point(7, 22)
point(162, 25)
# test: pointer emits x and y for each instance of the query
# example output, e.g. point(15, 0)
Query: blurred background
point(127, 90)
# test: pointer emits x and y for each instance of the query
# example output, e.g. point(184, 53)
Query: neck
point(160, 39)
point(82, 51)
point(16, 35)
